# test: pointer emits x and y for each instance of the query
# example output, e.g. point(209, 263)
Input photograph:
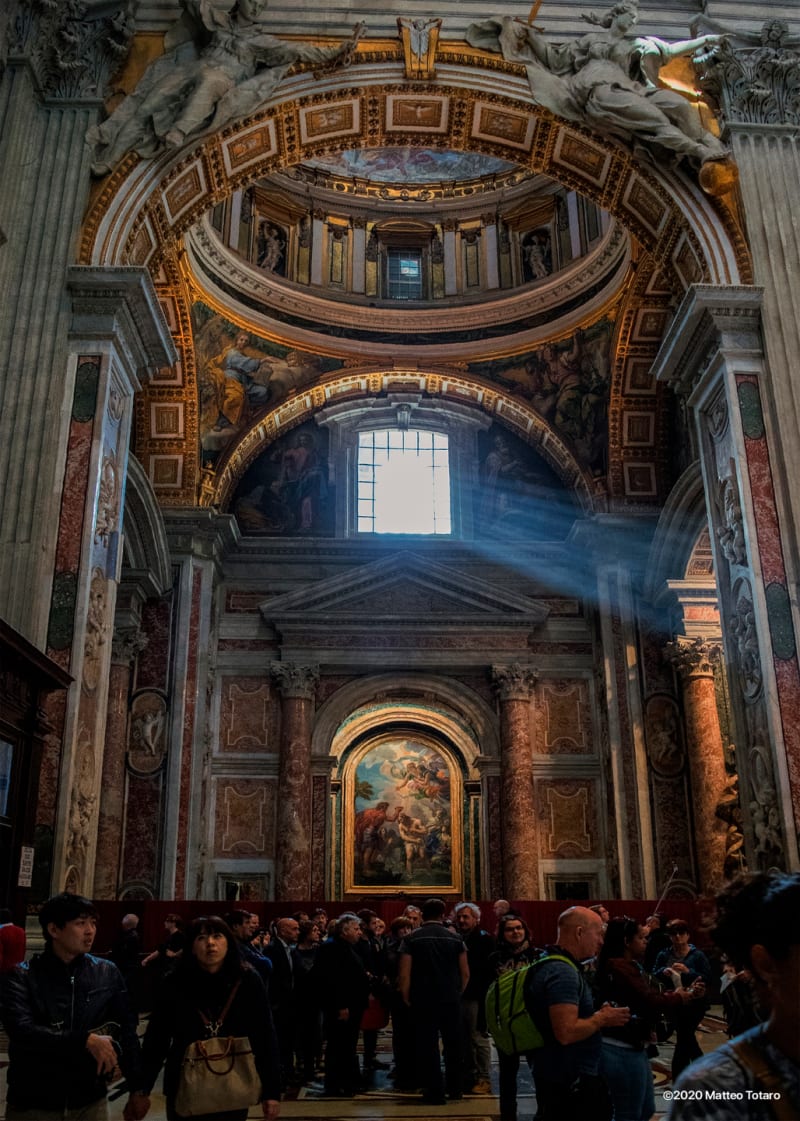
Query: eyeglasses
point(513, 928)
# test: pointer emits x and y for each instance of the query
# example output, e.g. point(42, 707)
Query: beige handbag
point(219, 1073)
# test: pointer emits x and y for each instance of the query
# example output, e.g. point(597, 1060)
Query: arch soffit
point(436, 703)
point(146, 547)
point(144, 207)
point(681, 523)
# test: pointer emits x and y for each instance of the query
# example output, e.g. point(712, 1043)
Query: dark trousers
point(342, 1075)
point(508, 1067)
point(586, 1097)
point(403, 1046)
point(432, 1021)
point(687, 1049)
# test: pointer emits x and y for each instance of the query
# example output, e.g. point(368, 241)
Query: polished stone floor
point(379, 1100)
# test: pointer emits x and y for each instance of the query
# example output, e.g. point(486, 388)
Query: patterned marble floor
point(380, 1100)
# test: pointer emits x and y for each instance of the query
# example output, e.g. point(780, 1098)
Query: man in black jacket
point(69, 1023)
point(477, 1047)
point(341, 983)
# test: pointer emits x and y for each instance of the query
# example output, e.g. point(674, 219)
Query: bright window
point(403, 481)
point(404, 274)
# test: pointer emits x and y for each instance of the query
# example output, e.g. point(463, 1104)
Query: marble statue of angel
point(219, 66)
point(608, 79)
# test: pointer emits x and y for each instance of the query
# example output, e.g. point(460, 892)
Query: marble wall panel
point(189, 714)
point(568, 818)
point(143, 831)
point(152, 664)
point(249, 715)
point(561, 718)
point(244, 818)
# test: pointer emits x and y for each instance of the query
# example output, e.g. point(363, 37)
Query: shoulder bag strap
point(765, 1074)
point(215, 1025)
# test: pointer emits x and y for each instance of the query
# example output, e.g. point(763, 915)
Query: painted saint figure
point(369, 832)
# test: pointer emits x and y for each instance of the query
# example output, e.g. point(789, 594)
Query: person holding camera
point(620, 979)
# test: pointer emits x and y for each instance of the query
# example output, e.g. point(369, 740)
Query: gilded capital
point(756, 85)
point(295, 680)
point(513, 682)
point(693, 658)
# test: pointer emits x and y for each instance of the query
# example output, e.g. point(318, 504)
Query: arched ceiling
point(149, 213)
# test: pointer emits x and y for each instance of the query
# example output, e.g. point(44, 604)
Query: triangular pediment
point(400, 590)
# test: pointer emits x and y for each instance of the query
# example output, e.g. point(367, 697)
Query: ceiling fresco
point(410, 165)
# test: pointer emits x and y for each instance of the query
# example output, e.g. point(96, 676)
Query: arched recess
point(145, 548)
point(374, 718)
point(141, 211)
point(682, 521)
point(371, 383)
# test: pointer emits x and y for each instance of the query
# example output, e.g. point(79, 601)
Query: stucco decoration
point(219, 65)
point(608, 79)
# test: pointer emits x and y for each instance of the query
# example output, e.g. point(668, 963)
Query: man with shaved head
point(559, 1000)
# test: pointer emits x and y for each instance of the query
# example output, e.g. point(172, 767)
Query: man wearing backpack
point(559, 1000)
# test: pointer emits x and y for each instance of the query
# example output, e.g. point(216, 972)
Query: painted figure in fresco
point(505, 479)
point(301, 486)
point(235, 373)
point(608, 80)
point(219, 66)
point(369, 833)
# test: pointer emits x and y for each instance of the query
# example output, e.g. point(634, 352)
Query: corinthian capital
point(126, 644)
point(758, 84)
point(294, 680)
point(692, 658)
point(73, 52)
point(514, 682)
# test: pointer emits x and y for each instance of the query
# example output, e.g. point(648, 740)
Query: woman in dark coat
point(202, 983)
point(342, 986)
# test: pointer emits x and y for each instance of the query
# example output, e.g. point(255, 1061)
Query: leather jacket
point(49, 1010)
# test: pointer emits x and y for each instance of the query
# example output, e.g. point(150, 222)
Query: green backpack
point(508, 1020)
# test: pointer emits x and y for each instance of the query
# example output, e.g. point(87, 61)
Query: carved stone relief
point(763, 800)
point(108, 500)
point(82, 805)
point(730, 531)
point(96, 630)
point(147, 746)
point(663, 736)
point(742, 626)
point(730, 811)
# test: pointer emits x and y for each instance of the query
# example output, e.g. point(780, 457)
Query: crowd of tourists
point(240, 1014)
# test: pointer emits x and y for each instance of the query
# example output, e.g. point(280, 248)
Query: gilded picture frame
point(402, 824)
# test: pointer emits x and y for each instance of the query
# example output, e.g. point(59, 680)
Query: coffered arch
point(140, 213)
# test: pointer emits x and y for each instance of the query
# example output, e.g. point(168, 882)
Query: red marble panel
point(249, 715)
point(152, 665)
point(194, 644)
point(243, 603)
point(330, 685)
point(672, 840)
point(73, 496)
point(626, 738)
point(320, 792)
point(55, 705)
point(244, 818)
point(143, 830)
point(494, 856)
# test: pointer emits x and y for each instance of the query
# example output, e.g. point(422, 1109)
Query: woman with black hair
point(210, 978)
point(514, 951)
point(621, 979)
point(758, 1073)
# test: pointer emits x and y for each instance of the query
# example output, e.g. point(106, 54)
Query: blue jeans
point(630, 1082)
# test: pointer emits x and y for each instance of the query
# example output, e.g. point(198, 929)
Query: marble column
point(694, 662)
point(450, 227)
point(125, 647)
point(297, 685)
point(317, 245)
point(514, 686)
point(359, 255)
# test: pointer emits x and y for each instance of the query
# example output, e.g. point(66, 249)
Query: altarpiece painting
point(402, 827)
